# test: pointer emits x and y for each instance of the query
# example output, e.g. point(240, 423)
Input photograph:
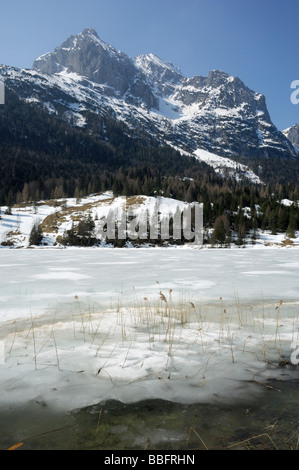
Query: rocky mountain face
point(88, 56)
point(292, 133)
point(162, 76)
point(217, 113)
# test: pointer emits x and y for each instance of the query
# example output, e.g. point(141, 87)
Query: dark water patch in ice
point(271, 422)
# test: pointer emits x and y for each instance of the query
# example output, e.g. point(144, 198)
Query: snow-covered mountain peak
point(161, 75)
point(217, 113)
point(89, 32)
point(88, 41)
point(150, 61)
point(88, 56)
point(217, 78)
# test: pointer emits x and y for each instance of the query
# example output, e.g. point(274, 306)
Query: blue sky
point(254, 40)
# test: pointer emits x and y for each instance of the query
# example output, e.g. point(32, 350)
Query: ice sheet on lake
point(81, 326)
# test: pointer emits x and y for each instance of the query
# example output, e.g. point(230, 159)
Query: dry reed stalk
point(107, 359)
point(56, 352)
point(81, 316)
point(266, 386)
point(125, 360)
point(277, 328)
point(33, 337)
point(94, 334)
point(251, 438)
point(99, 419)
point(90, 315)
point(13, 340)
point(196, 433)
point(98, 349)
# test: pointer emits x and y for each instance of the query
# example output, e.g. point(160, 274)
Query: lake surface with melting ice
point(81, 327)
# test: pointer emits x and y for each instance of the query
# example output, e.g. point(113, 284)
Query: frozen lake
point(39, 280)
point(80, 326)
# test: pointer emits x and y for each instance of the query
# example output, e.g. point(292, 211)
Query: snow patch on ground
point(222, 165)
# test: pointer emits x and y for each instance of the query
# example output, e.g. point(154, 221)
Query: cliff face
point(292, 133)
point(87, 55)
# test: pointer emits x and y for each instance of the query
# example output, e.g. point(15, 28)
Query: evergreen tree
point(36, 235)
point(290, 232)
point(219, 235)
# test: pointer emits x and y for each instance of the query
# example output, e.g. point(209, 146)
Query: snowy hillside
point(58, 216)
point(227, 167)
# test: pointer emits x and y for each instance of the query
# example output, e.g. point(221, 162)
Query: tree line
point(42, 157)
